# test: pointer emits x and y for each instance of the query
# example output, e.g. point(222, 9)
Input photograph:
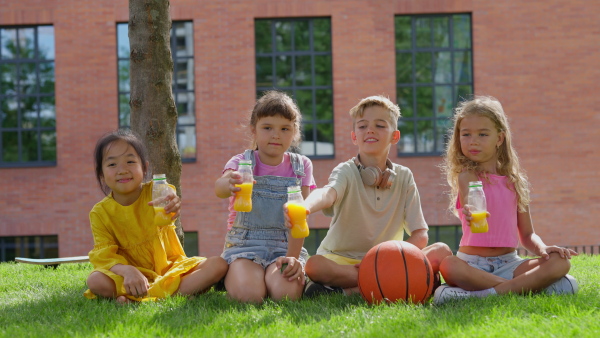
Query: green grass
point(45, 302)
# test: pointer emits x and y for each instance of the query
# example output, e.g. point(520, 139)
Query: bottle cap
point(159, 177)
point(475, 184)
point(245, 162)
point(293, 189)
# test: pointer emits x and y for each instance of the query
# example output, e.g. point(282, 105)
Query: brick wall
point(539, 58)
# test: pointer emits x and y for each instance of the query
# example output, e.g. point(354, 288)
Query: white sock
point(484, 293)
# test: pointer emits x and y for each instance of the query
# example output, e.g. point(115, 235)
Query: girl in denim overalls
point(264, 260)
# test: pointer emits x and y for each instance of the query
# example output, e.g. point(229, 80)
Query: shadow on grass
point(215, 311)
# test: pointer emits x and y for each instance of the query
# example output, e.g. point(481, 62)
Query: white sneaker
point(445, 293)
point(567, 285)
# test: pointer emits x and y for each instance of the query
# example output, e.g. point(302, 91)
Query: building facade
point(65, 83)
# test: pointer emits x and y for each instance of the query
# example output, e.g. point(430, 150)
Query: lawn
point(45, 302)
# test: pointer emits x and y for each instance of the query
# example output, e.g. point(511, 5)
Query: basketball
point(393, 271)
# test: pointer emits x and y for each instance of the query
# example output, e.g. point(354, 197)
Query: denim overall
point(260, 235)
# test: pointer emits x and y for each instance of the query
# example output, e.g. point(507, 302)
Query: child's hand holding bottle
point(295, 213)
point(299, 211)
point(243, 181)
point(290, 268)
point(172, 206)
point(477, 208)
point(165, 201)
point(466, 210)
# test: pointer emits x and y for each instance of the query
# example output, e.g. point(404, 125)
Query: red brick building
point(541, 59)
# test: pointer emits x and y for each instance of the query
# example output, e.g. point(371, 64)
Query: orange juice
point(297, 213)
point(161, 218)
point(243, 198)
point(479, 222)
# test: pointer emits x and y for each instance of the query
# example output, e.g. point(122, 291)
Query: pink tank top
point(502, 206)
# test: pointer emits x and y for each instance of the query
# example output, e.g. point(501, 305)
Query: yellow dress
point(127, 235)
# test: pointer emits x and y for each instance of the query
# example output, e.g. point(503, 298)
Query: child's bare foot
point(123, 300)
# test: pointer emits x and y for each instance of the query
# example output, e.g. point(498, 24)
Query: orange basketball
point(395, 270)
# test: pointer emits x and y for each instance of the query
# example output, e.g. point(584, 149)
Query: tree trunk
point(153, 110)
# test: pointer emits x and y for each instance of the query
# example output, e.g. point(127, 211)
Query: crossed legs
point(195, 281)
point(531, 275)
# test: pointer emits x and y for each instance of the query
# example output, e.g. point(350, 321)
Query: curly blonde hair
point(455, 162)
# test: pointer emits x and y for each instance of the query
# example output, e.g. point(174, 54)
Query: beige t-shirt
point(364, 216)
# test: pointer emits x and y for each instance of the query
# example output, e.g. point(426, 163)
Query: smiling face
point(273, 136)
point(373, 132)
point(479, 140)
point(122, 172)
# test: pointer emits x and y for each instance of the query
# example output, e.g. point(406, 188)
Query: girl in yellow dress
point(134, 258)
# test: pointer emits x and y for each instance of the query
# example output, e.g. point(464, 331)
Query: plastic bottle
point(477, 204)
point(243, 198)
point(160, 189)
point(297, 212)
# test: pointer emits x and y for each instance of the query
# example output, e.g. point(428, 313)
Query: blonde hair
point(276, 103)
point(378, 100)
point(455, 162)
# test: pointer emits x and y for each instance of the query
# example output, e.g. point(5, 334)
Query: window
point(449, 234)
point(182, 51)
point(312, 242)
point(434, 71)
point(294, 55)
point(28, 247)
point(27, 102)
point(190, 243)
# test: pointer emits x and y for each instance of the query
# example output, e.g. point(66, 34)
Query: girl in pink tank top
point(480, 149)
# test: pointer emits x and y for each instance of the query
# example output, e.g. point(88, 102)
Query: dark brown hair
point(276, 103)
point(109, 138)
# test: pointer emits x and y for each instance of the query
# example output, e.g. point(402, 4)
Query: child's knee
point(283, 291)
point(313, 265)
point(449, 264)
point(101, 285)
point(219, 265)
point(321, 269)
point(247, 295)
point(560, 266)
point(441, 250)
point(436, 253)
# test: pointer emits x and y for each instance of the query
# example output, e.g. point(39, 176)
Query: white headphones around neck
point(373, 176)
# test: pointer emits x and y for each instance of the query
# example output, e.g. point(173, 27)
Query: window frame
point(19, 97)
point(44, 244)
point(437, 232)
point(189, 91)
point(291, 89)
point(454, 83)
point(314, 239)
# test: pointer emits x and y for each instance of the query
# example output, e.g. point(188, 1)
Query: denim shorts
point(502, 266)
point(262, 246)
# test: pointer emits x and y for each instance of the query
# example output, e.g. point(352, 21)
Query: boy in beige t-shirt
point(371, 201)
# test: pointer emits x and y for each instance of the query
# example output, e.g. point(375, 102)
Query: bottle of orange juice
point(243, 198)
point(477, 203)
point(160, 189)
point(297, 212)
